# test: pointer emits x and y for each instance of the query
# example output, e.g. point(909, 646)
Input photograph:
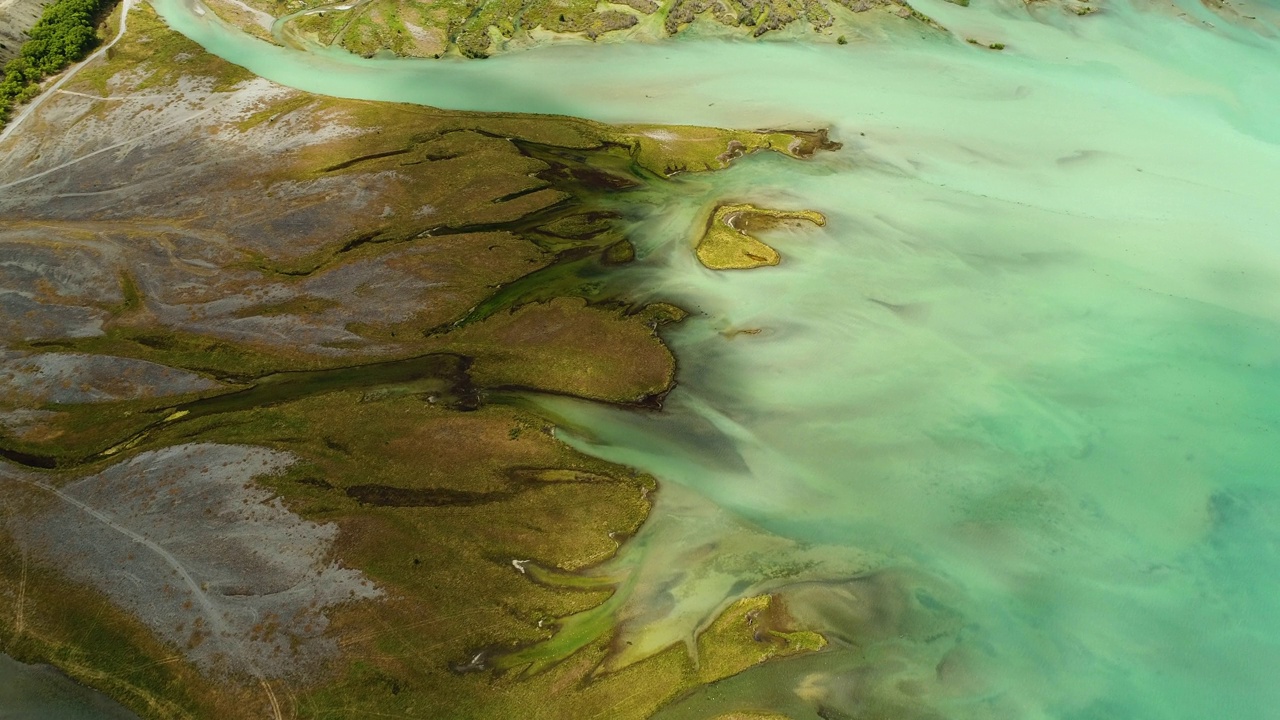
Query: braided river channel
point(1007, 429)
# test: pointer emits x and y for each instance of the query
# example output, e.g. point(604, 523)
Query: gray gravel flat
point(185, 540)
point(63, 378)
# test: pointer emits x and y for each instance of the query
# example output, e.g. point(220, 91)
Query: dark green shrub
point(62, 35)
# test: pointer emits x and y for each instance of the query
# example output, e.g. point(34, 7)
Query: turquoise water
point(1009, 431)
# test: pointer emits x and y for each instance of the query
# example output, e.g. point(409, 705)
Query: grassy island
point(728, 242)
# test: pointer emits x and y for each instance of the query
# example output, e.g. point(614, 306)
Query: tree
point(63, 35)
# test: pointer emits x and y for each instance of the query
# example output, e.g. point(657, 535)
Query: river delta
point(941, 383)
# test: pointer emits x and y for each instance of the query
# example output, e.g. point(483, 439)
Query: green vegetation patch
point(670, 149)
point(567, 347)
point(65, 33)
point(480, 28)
point(722, 651)
point(482, 531)
point(728, 243)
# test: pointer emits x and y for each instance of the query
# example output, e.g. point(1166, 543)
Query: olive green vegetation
point(989, 46)
point(727, 242)
point(764, 620)
point(479, 28)
point(158, 57)
point(670, 149)
point(413, 439)
point(65, 33)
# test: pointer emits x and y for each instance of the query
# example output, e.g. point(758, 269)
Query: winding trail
point(127, 141)
point(70, 73)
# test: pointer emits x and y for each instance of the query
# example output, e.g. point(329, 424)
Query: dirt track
point(209, 560)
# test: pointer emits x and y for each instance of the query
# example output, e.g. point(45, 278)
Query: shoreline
point(613, 355)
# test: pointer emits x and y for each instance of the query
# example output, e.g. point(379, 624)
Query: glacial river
point(1025, 384)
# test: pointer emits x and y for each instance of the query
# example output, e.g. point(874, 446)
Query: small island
point(728, 242)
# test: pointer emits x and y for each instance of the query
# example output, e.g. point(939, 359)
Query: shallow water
point(1025, 384)
point(38, 692)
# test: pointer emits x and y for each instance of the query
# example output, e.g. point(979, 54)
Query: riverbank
point(313, 359)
